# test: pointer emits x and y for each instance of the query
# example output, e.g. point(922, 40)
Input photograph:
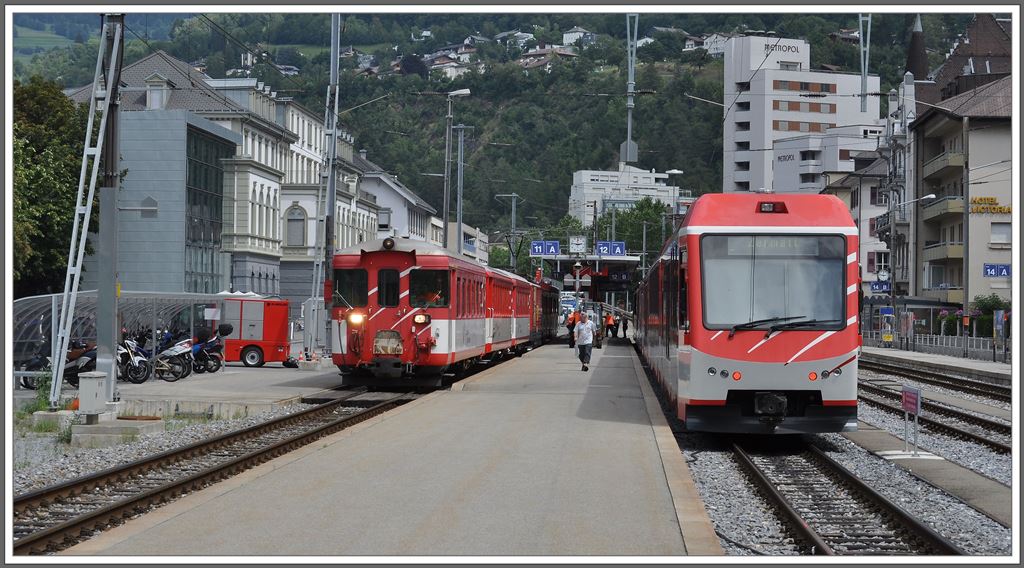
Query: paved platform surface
point(986, 495)
point(232, 391)
point(972, 368)
point(531, 457)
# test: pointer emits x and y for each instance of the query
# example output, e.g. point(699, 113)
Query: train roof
point(508, 274)
point(742, 210)
point(402, 244)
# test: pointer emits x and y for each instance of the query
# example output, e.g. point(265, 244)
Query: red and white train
point(749, 316)
point(405, 312)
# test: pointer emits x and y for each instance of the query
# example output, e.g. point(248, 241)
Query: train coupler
point(770, 407)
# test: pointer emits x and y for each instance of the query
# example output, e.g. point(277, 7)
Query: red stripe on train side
point(700, 402)
point(839, 403)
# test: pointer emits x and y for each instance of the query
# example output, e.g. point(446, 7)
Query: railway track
point(995, 392)
point(1002, 446)
point(58, 516)
point(833, 511)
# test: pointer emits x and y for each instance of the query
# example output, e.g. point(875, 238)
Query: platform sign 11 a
point(545, 248)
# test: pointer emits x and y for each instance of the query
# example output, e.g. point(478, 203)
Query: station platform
point(530, 457)
point(982, 493)
point(991, 371)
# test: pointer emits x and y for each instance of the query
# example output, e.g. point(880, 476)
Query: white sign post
point(911, 405)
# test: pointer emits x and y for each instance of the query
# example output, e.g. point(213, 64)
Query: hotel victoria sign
point(989, 205)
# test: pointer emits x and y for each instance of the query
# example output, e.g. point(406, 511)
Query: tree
point(411, 64)
point(48, 136)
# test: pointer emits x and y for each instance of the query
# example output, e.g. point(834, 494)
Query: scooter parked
point(81, 357)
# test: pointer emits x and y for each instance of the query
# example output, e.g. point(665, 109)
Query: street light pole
point(458, 200)
point(448, 162)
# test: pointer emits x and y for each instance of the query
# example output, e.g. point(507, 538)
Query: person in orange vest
point(609, 324)
point(570, 325)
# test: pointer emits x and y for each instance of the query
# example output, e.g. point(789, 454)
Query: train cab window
point(749, 278)
point(428, 288)
point(387, 287)
point(349, 288)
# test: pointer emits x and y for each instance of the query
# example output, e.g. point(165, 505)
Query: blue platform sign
point(879, 286)
point(997, 270)
point(545, 248)
point(885, 310)
point(611, 248)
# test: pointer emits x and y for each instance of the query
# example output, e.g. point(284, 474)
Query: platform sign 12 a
point(611, 248)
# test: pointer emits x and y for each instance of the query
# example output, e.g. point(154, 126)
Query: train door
point(489, 311)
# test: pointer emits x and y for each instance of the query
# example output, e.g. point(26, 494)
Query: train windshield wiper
point(796, 324)
point(756, 323)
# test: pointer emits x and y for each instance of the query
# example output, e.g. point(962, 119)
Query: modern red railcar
point(748, 318)
point(404, 312)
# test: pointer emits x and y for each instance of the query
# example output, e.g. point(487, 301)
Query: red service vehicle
point(748, 318)
point(260, 331)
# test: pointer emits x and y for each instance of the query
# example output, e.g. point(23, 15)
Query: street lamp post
point(448, 161)
point(892, 249)
point(458, 200)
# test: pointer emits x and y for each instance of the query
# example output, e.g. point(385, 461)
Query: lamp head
point(459, 93)
point(929, 196)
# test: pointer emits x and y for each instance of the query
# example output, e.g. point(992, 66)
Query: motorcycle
point(81, 357)
point(133, 364)
point(207, 353)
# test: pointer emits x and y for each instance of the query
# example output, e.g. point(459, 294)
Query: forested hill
point(531, 130)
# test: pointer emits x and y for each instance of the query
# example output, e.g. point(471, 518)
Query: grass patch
point(45, 427)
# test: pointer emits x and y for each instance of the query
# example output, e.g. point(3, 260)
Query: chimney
point(362, 153)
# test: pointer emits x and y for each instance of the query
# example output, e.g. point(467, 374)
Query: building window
point(296, 221)
point(204, 198)
point(805, 127)
point(743, 87)
point(808, 178)
point(742, 146)
point(844, 154)
point(743, 106)
point(789, 66)
point(743, 166)
point(781, 125)
point(1001, 234)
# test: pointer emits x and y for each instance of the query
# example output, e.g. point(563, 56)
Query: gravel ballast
point(40, 461)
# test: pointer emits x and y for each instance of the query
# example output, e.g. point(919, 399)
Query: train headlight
point(824, 374)
point(838, 371)
point(712, 371)
point(355, 319)
point(389, 243)
point(421, 318)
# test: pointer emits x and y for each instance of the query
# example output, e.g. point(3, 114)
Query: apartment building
point(771, 93)
point(594, 192)
point(806, 164)
point(964, 153)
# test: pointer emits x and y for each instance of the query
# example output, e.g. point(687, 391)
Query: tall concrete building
point(595, 192)
point(808, 163)
point(771, 93)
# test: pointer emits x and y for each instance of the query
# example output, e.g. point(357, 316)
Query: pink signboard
point(912, 400)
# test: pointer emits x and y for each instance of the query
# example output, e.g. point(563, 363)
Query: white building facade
point(594, 192)
point(806, 164)
point(771, 93)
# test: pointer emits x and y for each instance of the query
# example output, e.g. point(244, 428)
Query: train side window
point(428, 288)
point(387, 287)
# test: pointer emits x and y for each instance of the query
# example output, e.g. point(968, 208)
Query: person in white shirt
point(585, 338)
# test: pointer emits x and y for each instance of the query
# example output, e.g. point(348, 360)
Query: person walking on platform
point(585, 338)
point(625, 326)
point(570, 326)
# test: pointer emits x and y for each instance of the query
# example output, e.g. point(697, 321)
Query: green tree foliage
point(49, 131)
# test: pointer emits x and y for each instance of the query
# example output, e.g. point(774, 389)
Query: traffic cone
point(302, 356)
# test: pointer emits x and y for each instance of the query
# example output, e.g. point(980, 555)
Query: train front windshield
point(747, 278)
point(350, 288)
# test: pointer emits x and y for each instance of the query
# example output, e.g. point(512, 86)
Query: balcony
point(810, 167)
point(937, 251)
point(945, 293)
point(882, 221)
point(942, 165)
point(952, 205)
